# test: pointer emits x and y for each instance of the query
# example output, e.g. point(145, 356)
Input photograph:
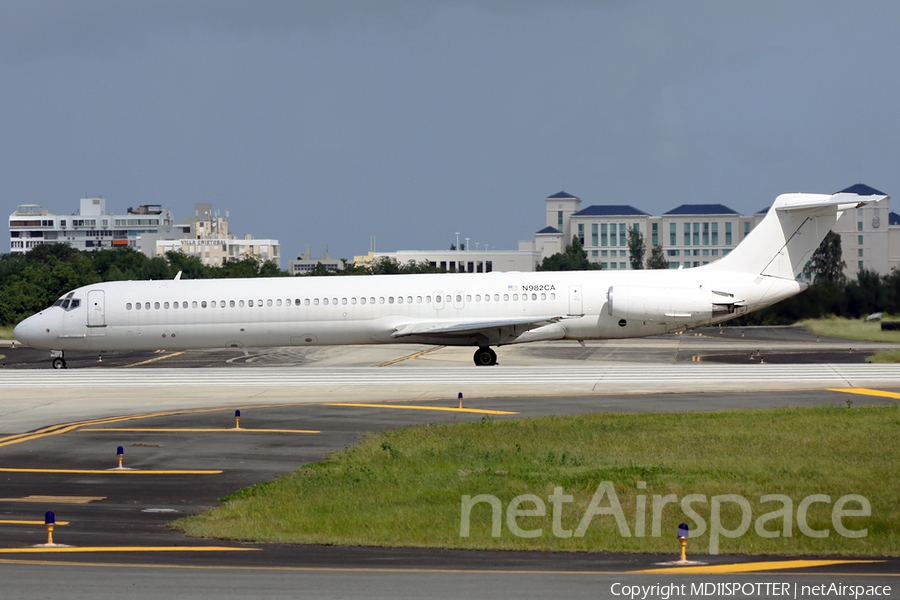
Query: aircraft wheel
point(59, 363)
point(485, 357)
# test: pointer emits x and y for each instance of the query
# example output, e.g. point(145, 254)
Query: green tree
point(657, 258)
point(190, 266)
point(156, 268)
point(118, 264)
point(826, 262)
point(573, 259)
point(636, 248)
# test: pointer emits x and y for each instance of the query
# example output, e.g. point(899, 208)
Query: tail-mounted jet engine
point(668, 304)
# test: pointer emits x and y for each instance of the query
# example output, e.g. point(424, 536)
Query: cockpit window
point(75, 304)
point(65, 304)
point(58, 302)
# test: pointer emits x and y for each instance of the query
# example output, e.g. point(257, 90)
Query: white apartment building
point(90, 228)
point(464, 261)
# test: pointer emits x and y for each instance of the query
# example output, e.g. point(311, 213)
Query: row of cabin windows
point(331, 301)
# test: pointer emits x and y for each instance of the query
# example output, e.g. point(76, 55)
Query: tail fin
point(795, 225)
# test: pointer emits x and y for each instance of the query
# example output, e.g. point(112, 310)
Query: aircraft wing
point(454, 328)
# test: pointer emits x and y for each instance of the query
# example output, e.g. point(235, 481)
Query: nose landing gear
point(485, 357)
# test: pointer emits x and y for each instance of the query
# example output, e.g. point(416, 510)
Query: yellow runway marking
point(865, 392)
point(470, 410)
point(56, 499)
point(241, 430)
point(752, 567)
point(15, 522)
point(154, 359)
point(99, 471)
point(127, 549)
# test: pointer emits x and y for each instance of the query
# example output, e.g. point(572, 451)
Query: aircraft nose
point(21, 332)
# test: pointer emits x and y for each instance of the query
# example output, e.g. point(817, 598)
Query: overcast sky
point(328, 122)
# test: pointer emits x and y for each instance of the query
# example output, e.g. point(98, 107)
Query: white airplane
point(481, 310)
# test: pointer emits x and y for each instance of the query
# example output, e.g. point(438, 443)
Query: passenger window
point(419, 299)
point(428, 299)
point(515, 296)
point(156, 305)
point(409, 299)
point(334, 301)
point(259, 303)
point(147, 305)
point(325, 301)
point(203, 304)
point(166, 305)
point(543, 296)
point(496, 297)
point(372, 300)
point(400, 300)
point(468, 297)
point(362, 300)
point(477, 297)
point(553, 296)
point(128, 306)
point(250, 303)
point(316, 301)
point(352, 300)
point(459, 297)
point(268, 302)
point(184, 304)
point(381, 300)
point(449, 299)
point(344, 301)
point(505, 297)
point(175, 305)
point(390, 299)
point(278, 302)
point(231, 303)
point(193, 304)
point(487, 297)
point(306, 302)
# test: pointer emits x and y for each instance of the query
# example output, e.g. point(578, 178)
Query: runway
point(60, 430)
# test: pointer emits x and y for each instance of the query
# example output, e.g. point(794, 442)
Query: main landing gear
point(59, 361)
point(485, 357)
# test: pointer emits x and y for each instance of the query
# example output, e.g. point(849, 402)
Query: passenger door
point(96, 316)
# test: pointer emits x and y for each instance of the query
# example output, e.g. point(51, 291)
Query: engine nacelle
point(668, 304)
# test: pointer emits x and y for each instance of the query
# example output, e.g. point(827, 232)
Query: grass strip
point(405, 487)
point(852, 329)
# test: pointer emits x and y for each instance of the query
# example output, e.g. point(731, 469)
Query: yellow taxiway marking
point(470, 410)
point(517, 572)
point(15, 522)
point(56, 499)
point(416, 355)
point(99, 471)
point(154, 359)
point(207, 430)
point(67, 427)
point(127, 549)
point(755, 566)
point(866, 392)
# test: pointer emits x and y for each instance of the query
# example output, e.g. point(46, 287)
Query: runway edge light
point(237, 419)
point(120, 452)
point(460, 399)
